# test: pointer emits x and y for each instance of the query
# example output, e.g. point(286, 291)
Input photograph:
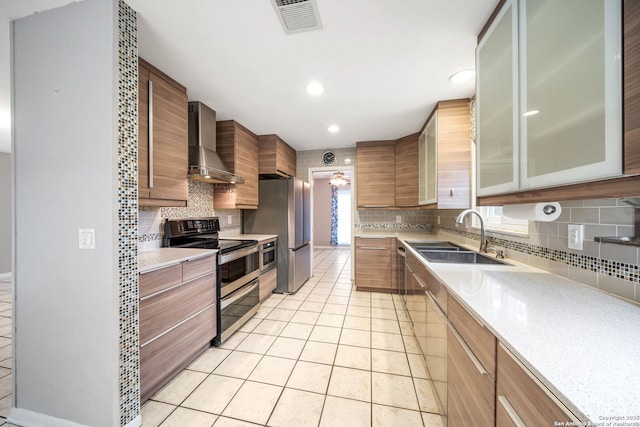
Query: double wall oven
point(239, 263)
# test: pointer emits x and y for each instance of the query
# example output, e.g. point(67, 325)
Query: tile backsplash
point(609, 267)
point(200, 204)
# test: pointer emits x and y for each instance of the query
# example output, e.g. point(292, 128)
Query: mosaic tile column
point(128, 213)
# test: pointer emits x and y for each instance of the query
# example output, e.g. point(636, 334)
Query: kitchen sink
point(435, 246)
point(459, 257)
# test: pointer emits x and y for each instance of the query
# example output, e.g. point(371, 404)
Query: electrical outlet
point(229, 219)
point(576, 236)
point(438, 219)
point(398, 218)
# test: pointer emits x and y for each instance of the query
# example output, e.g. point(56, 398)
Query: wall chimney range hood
point(204, 163)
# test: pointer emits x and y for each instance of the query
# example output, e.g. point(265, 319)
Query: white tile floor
point(325, 356)
point(5, 348)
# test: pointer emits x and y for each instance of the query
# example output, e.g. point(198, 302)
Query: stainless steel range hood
point(204, 163)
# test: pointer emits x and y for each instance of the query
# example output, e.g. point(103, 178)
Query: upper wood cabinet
point(276, 157)
point(406, 165)
point(162, 139)
point(238, 148)
point(549, 106)
point(445, 156)
point(375, 174)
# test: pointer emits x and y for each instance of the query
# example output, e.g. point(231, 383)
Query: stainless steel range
point(237, 273)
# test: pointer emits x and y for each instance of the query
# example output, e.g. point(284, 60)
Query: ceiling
point(383, 64)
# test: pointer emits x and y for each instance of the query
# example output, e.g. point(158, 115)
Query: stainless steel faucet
point(483, 238)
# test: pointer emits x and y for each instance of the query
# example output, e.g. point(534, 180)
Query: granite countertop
point(583, 344)
point(153, 259)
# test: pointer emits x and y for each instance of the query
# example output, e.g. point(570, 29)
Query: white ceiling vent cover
point(297, 16)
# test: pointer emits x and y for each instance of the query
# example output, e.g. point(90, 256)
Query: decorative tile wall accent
point(396, 226)
point(389, 217)
point(128, 212)
point(621, 270)
point(200, 203)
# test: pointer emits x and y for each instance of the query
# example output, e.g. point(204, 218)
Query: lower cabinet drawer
point(162, 358)
point(198, 267)
point(157, 280)
point(471, 391)
point(481, 341)
point(523, 399)
point(161, 311)
point(268, 282)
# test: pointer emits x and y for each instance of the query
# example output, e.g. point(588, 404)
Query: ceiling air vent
point(297, 16)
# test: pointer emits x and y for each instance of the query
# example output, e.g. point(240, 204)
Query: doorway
point(331, 206)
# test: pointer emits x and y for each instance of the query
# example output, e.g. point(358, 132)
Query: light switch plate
point(87, 238)
point(576, 236)
point(398, 218)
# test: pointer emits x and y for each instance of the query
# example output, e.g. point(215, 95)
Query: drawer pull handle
point(150, 133)
point(467, 350)
point(513, 415)
point(372, 248)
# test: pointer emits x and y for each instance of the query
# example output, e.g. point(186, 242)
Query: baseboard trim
point(26, 418)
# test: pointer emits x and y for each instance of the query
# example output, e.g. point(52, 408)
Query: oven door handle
point(235, 297)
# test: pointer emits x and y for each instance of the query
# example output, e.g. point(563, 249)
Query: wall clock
point(328, 158)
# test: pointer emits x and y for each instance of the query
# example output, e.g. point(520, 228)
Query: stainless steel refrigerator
point(284, 209)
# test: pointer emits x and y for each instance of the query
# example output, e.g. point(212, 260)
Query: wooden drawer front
point(161, 359)
point(478, 338)
point(268, 282)
point(524, 397)
point(373, 263)
point(198, 267)
point(158, 280)
point(471, 393)
point(434, 286)
point(161, 311)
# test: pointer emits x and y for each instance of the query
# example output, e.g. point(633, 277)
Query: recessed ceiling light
point(315, 88)
point(462, 76)
point(347, 161)
point(333, 128)
point(531, 113)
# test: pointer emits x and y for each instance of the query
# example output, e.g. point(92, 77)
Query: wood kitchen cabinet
point(177, 319)
point(445, 156)
point(406, 166)
point(276, 157)
point(522, 399)
point(162, 139)
point(471, 369)
point(238, 148)
point(375, 173)
point(375, 260)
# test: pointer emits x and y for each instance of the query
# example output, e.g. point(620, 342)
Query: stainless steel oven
point(268, 255)
point(238, 307)
point(238, 269)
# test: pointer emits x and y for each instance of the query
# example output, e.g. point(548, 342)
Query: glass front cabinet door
point(557, 75)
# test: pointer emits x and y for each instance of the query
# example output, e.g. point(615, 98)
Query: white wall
point(5, 213)
point(65, 147)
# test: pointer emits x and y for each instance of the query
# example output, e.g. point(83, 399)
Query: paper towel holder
point(549, 209)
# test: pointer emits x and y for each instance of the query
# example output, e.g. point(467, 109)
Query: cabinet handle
point(376, 206)
point(150, 133)
point(420, 282)
point(513, 415)
point(372, 248)
point(467, 350)
point(451, 192)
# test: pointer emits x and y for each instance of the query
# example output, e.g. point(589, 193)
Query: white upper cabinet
point(428, 163)
point(497, 114)
point(549, 95)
